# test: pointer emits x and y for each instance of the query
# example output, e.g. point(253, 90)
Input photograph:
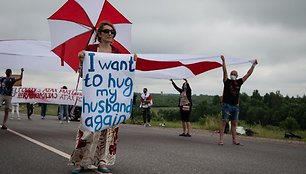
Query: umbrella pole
point(76, 99)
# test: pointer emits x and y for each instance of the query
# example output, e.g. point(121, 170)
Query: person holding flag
point(230, 99)
point(185, 104)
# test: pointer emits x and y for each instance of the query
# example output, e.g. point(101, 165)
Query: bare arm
point(250, 71)
point(81, 56)
point(224, 69)
point(21, 76)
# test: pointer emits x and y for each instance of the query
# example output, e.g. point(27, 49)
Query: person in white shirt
point(146, 103)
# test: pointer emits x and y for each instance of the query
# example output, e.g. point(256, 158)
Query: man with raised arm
point(231, 92)
point(6, 90)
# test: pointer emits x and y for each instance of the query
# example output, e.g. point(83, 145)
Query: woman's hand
point(81, 55)
point(135, 57)
point(222, 58)
point(255, 62)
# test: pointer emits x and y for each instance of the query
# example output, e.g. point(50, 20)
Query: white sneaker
point(149, 124)
point(61, 122)
point(145, 125)
point(68, 121)
point(18, 118)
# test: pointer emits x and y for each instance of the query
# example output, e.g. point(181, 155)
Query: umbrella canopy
point(73, 27)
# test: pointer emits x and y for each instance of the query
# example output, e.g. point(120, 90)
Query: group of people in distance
point(99, 148)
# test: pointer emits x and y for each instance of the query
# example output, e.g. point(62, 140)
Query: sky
point(273, 32)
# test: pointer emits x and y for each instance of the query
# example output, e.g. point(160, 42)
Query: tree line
point(270, 109)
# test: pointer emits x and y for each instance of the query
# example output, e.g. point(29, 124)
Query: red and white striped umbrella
point(73, 27)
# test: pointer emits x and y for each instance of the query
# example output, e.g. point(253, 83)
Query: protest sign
point(46, 95)
point(108, 81)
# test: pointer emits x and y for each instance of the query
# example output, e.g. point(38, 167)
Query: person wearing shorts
point(6, 90)
point(231, 93)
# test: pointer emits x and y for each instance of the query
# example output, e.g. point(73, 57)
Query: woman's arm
point(176, 87)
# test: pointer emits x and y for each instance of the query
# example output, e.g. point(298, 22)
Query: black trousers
point(43, 109)
point(146, 115)
point(30, 108)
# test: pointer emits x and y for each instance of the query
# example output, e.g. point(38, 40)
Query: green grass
point(51, 109)
point(212, 123)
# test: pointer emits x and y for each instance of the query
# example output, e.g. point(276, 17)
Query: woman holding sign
point(99, 148)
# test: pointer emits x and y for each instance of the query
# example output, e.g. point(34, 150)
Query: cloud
point(272, 31)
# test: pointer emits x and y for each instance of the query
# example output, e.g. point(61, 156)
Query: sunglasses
point(107, 31)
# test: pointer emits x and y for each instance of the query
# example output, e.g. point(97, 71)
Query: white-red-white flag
point(36, 55)
point(179, 66)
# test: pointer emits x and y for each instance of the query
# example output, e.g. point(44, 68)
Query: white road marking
point(63, 154)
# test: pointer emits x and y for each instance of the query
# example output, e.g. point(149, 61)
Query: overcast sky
point(272, 31)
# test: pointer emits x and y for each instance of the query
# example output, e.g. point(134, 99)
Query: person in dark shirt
point(185, 105)
point(231, 92)
point(6, 90)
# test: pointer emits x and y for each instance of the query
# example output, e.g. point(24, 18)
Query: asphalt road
point(143, 150)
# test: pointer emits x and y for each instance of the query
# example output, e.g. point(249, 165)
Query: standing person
point(6, 90)
point(63, 111)
point(146, 103)
point(231, 92)
point(30, 110)
point(98, 148)
point(43, 110)
point(185, 104)
point(15, 109)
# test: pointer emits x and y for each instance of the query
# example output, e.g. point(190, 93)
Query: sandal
point(77, 170)
point(103, 170)
point(220, 144)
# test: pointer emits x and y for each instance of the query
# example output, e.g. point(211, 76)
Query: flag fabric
point(36, 55)
point(30, 55)
point(178, 66)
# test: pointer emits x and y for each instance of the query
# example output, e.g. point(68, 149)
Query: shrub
point(210, 122)
point(289, 124)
